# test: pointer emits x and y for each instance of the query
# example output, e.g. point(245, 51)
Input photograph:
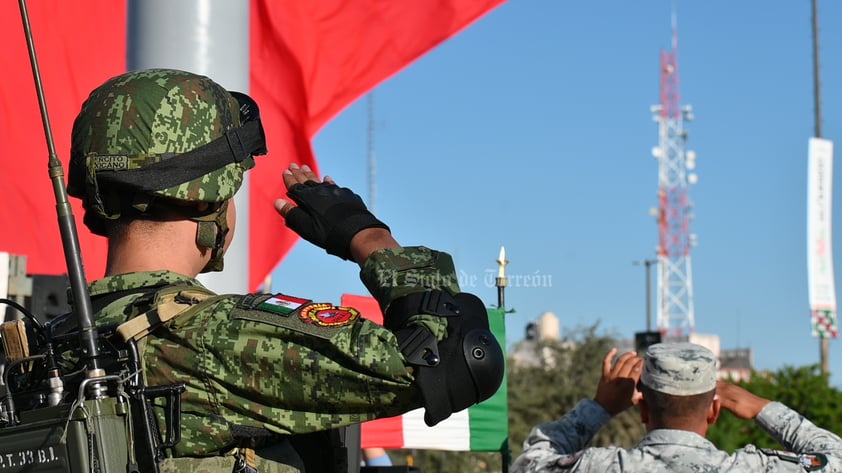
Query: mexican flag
point(309, 60)
point(480, 428)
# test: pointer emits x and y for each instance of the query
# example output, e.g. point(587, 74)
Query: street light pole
point(824, 341)
point(648, 263)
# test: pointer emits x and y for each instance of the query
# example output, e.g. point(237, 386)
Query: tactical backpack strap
point(169, 303)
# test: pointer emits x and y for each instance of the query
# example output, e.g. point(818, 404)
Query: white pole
point(208, 37)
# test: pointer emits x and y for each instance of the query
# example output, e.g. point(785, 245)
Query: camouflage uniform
point(166, 145)
point(247, 365)
point(561, 446)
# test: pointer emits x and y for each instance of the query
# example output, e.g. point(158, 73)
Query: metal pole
point(816, 82)
point(648, 264)
point(502, 281)
point(824, 342)
point(648, 297)
point(372, 160)
point(208, 37)
point(67, 225)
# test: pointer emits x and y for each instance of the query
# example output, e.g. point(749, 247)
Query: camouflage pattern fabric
point(679, 369)
point(560, 446)
point(248, 363)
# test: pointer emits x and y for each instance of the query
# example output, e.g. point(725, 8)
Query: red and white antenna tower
point(675, 281)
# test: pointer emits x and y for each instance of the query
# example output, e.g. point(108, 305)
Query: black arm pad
point(465, 368)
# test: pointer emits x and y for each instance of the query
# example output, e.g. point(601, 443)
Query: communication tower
point(674, 213)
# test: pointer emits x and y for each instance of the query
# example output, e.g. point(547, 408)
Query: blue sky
point(532, 129)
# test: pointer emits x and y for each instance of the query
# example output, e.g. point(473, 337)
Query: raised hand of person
point(617, 389)
point(331, 217)
point(739, 401)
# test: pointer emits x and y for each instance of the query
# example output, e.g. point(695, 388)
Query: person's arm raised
point(617, 391)
point(740, 402)
point(331, 217)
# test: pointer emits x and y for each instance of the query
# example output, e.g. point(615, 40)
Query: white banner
point(820, 277)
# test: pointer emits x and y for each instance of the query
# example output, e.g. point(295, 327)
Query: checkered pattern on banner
point(824, 324)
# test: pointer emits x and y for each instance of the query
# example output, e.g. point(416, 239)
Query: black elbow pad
point(465, 368)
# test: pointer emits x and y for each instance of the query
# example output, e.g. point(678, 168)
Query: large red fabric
point(309, 60)
point(78, 44)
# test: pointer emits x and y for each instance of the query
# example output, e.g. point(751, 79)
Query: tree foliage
point(804, 389)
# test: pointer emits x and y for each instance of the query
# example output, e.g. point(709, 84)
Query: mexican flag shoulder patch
point(282, 304)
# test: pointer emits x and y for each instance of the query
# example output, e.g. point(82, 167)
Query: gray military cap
point(680, 369)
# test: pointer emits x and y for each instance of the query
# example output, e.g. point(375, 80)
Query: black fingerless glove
point(329, 216)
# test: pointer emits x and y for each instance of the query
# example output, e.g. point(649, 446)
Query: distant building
point(545, 328)
point(548, 327)
point(736, 364)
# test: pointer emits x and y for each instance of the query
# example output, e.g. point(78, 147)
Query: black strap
point(329, 451)
point(68, 322)
point(234, 146)
point(432, 302)
point(102, 301)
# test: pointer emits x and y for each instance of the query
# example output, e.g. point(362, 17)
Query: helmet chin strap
point(210, 235)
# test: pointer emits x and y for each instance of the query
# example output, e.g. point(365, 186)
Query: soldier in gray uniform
point(678, 397)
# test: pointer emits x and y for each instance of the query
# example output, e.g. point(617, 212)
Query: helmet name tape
point(108, 163)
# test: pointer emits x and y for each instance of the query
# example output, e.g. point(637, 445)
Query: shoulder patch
point(809, 461)
point(327, 315)
point(282, 304)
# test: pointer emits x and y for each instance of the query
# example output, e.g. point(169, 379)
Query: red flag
point(309, 60)
point(78, 45)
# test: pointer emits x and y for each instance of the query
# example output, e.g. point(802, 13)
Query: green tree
point(804, 389)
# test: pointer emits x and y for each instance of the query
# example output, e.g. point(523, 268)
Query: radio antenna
point(67, 225)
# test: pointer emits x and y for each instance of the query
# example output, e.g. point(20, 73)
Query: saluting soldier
point(678, 398)
point(156, 157)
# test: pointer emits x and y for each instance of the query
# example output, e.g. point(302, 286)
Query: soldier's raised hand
point(739, 401)
point(617, 389)
point(331, 217)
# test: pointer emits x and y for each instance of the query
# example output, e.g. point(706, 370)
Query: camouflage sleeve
point(554, 445)
point(394, 272)
point(316, 367)
point(796, 433)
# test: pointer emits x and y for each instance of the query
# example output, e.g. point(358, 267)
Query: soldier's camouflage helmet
point(160, 135)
